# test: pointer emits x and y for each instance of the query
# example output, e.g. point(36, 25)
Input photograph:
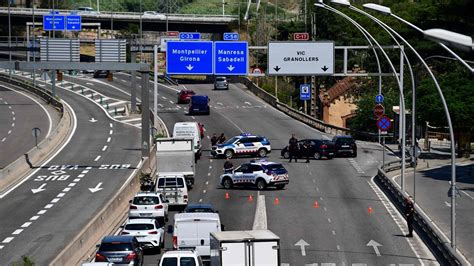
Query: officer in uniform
point(409, 214)
point(293, 148)
point(228, 166)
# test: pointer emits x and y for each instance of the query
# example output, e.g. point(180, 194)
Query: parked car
point(121, 250)
point(180, 258)
point(199, 104)
point(200, 207)
point(318, 148)
point(153, 14)
point(345, 145)
point(87, 10)
point(244, 144)
point(221, 83)
point(150, 233)
point(101, 73)
point(184, 96)
point(149, 205)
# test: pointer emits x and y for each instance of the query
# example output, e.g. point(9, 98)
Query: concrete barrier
point(15, 171)
point(424, 225)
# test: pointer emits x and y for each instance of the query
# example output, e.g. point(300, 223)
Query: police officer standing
point(307, 150)
point(293, 148)
point(409, 214)
point(221, 138)
point(214, 139)
point(228, 166)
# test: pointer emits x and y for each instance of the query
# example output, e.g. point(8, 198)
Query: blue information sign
point(73, 23)
point(379, 98)
point(305, 92)
point(231, 58)
point(189, 35)
point(231, 36)
point(58, 22)
point(189, 58)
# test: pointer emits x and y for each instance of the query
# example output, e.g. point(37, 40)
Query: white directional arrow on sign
point(189, 67)
point(37, 190)
point(96, 188)
point(230, 67)
point(375, 245)
point(93, 120)
point(302, 245)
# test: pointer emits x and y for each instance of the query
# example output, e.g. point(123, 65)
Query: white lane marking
point(74, 120)
point(447, 204)
point(49, 206)
point(90, 84)
point(467, 194)
point(329, 220)
point(60, 195)
point(193, 117)
point(219, 103)
point(14, 118)
point(9, 107)
point(81, 175)
point(210, 166)
point(248, 103)
point(171, 102)
point(3, 140)
point(208, 174)
point(104, 148)
point(13, 124)
point(356, 166)
point(34, 218)
point(9, 132)
point(132, 119)
point(200, 200)
point(26, 224)
point(207, 182)
point(66, 189)
point(8, 240)
point(164, 98)
point(55, 200)
point(88, 167)
point(71, 184)
point(333, 232)
point(13, 113)
point(204, 191)
point(338, 247)
point(325, 209)
point(97, 158)
point(85, 171)
point(108, 139)
point(77, 180)
point(260, 219)
point(41, 212)
point(17, 231)
point(111, 132)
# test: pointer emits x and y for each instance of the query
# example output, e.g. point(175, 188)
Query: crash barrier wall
point(82, 247)
point(423, 224)
point(300, 116)
point(16, 170)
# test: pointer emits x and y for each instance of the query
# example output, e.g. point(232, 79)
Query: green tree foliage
point(25, 261)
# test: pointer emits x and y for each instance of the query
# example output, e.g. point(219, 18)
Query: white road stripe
point(34, 218)
point(77, 180)
point(55, 200)
point(108, 139)
point(66, 189)
point(467, 194)
point(26, 224)
point(48, 206)
point(90, 84)
point(104, 148)
point(3, 140)
point(13, 124)
point(81, 175)
point(71, 184)
point(60, 195)
point(111, 132)
point(97, 158)
point(17, 231)
point(132, 119)
point(8, 240)
point(41, 212)
point(111, 125)
point(9, 132)
point(85, 171)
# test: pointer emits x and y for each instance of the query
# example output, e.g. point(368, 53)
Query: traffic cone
point(370, 210)
point(250, 198)
point(277, 201)
point(227, 195)
point(316, 205)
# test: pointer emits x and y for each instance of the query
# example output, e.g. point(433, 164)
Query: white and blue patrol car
point(260, 174)
point(244, 144)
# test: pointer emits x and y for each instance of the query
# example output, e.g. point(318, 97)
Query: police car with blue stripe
point(244, 144)
point(260, 174)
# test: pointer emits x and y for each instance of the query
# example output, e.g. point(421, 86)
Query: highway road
point(53, 204)
point(20, 112)
point(339, 230)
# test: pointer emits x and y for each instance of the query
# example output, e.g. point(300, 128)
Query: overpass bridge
point(121, 20)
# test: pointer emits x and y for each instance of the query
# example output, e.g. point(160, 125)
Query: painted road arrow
point(375, 245)
point(96, 188)
point(277, 68)
point(302, 245)
point(324, 68)
point(37, 190)
point(93, 120)
point(231, 67)
point(189, 67)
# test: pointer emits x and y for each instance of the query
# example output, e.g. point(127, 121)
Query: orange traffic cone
point(316, 205)
point(277, 201)
point(370, 210)
point(250, 198)
point(227, 195)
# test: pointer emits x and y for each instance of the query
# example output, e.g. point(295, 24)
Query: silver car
point(220, 83)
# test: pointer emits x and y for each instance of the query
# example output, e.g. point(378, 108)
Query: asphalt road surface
point(19, 114)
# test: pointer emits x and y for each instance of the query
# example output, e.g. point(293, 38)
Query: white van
point(180, 258)
point(193, 231)
point(189, 130)
point(174, 188)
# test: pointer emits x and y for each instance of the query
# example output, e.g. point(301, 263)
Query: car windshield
point(146, 200)
point(345, 140)
point(115, 247)
point(274, 167)
point(231, 140)
point(170, 262)
point(170, 182)
point(220, 79)
point(199, 209)
point(199, 100)
point(139, 227)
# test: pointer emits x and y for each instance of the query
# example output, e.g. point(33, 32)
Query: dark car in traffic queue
point(199, 104)
point(318, 148)
point(345, 145)
point(121, 250)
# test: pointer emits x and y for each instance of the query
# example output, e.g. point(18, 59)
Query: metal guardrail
point(423, 224)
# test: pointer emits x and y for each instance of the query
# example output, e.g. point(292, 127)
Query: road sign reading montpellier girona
point(300, 58)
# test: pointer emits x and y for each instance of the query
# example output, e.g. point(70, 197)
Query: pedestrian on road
point(307, 150)
point(409, 214)
point(214, 139)
point(293, 148)
point(221, 139)
point(228, 166)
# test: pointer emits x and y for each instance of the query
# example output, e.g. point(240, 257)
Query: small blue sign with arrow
point(73, 23)
point(231, 58)
point(58, 22)
point(305, 92)
point(379, 98)
point(189, 58)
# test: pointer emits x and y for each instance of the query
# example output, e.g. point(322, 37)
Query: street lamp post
point(387, 11)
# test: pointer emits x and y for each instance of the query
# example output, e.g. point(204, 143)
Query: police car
point(260, 174)
point(244, 144)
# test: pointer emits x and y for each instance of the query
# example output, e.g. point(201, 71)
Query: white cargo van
point(189, 130)
point(180, 258)
point(192, 231)
point(174, 188)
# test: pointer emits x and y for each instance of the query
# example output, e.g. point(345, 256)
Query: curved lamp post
point(387, 11)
